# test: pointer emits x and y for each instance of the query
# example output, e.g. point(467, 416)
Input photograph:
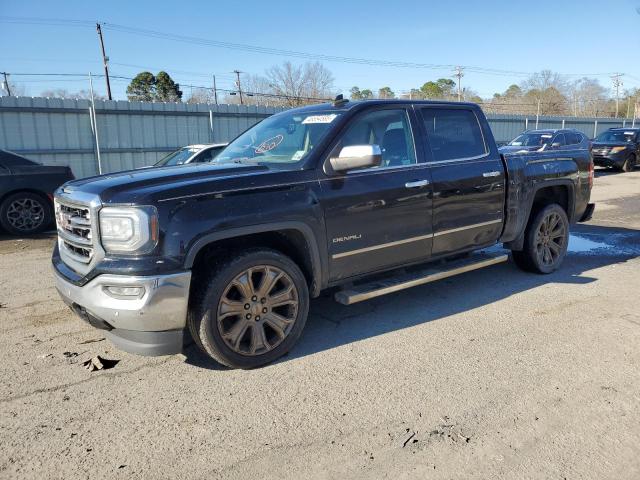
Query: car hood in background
point(517, 149)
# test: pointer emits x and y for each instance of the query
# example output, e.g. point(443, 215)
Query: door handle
point(491, 174)
point(417, 184)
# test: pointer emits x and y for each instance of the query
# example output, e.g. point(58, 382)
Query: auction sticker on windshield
point(319, 118)
point(269, 144)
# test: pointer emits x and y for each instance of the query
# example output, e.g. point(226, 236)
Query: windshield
point(284, 139)
point(619, 136)
point(177, 158)
point(532, 140)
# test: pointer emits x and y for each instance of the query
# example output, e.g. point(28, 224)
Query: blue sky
point(570, 37)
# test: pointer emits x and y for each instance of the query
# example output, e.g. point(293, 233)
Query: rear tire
point(250, 309)
point(25, 213)
point(545, 241)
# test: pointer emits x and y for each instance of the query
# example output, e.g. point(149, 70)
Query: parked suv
point(541, 140)
point(363, 197)
point(618, 148)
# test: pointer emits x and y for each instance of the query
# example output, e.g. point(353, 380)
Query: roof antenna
point(339, 101)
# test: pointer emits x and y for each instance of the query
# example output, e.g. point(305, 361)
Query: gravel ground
point(496, 373)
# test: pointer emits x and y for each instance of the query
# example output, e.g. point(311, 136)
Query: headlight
point(130, 230)
point(617, 149)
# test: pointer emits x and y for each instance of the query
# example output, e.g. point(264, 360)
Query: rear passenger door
point(468, 179)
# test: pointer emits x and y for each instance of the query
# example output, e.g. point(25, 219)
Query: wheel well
point(289, 242)
point(555, 194)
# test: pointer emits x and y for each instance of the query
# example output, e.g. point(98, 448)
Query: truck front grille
point(75, 231)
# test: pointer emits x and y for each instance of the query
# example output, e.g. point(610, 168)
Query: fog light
point(124, 292)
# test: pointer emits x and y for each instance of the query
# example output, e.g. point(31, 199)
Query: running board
point(377, 288)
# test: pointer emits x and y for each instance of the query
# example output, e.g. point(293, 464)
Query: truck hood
point(153, 184)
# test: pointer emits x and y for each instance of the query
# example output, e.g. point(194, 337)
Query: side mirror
point(357, 156)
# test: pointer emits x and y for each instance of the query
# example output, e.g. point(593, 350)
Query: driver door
point(379, 217)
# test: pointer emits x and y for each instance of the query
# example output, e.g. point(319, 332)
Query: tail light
point(591, 173)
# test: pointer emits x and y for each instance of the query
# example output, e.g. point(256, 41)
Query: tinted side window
point(205, 156)
point(572, 138)
point(390, 129)
point(559, 138)
point(453, 133)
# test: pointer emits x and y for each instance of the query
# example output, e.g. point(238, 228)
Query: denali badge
point(356, 236)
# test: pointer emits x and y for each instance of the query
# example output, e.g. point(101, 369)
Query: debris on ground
point(409, 438)
point(92, 340)
point(3, 305)
point(99, 363)
point(70, 354)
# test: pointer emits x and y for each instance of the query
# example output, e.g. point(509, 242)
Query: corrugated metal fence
point(59, 131)
point(130, 134)
point(507, 127)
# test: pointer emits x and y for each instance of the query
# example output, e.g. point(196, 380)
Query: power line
point(274, 51)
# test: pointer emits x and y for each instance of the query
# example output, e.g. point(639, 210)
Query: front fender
point(318, 269)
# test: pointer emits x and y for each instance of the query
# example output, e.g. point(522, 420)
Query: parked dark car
point(618, 148)
point(312, 198)
point(192, 154)
point(549, 139)
point(26, 193)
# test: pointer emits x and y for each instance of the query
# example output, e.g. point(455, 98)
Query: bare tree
point(588, 98)
point(201, 95)
point(298, 85)
point(17, 90)
point(62, 93)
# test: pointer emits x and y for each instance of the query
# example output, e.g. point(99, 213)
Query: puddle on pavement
point(579, 244)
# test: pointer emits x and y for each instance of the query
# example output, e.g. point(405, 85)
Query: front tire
point(250, 309)
point(629, 164)
point(546, 241)
point(25, 213)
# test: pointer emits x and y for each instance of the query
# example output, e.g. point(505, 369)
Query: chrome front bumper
point(149, 324)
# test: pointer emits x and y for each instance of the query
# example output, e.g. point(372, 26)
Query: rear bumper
point(149, 324)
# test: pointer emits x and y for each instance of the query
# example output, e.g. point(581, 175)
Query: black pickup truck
point(357, 197)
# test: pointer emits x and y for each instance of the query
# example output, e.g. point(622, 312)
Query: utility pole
point(215, 90)
point(238, 72)
point(617, 83)
point(105, 60)
point(6, 84)
point(458, 73)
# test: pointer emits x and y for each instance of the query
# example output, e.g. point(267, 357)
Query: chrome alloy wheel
point(25, 214)
point(550, 239)
point(257, 310)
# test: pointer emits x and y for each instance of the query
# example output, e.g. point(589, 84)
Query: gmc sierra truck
point(363, 198)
